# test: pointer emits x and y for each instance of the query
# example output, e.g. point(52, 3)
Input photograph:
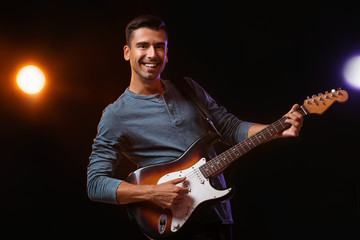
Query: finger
point(177, 180)
point(298, 115)
point(183, 191)
point(178, 199)
point(293, 122)
point(295, 116)
point(294, 108)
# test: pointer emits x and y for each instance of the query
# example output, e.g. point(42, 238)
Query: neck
point(219, 163)
point(146, 87)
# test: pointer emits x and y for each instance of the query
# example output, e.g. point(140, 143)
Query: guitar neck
point(222, 161)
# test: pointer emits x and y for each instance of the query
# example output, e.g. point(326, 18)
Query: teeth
point(150, 65)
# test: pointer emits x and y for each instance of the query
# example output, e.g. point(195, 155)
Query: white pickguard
point(200, 190)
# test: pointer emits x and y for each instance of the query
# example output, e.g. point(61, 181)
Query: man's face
point(147, 53)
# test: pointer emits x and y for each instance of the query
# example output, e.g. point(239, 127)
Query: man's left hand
point(296, 121)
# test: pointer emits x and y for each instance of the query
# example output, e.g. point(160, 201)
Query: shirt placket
point(170, 106)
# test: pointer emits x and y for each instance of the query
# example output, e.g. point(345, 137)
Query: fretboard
point(222, 161)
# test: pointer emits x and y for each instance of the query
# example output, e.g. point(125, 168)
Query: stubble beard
point(148, 75)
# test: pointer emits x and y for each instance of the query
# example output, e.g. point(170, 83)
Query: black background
point(256, 58)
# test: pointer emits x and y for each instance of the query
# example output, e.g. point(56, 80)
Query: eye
point(160, 47)
point(142, 45)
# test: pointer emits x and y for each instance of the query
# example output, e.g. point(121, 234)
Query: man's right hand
point(168, 195)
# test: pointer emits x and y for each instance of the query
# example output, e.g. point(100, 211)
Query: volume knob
point(176, 226)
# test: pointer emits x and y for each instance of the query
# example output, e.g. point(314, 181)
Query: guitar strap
point(187, 90)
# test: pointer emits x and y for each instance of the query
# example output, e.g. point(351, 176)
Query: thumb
point(296, 106)
point(293, 109)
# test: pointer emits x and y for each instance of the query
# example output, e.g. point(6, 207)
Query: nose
point(151, 53)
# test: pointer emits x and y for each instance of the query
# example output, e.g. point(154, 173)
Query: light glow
point(31, 79)
point(352, 72)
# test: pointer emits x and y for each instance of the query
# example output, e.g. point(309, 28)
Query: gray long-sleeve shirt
point(155, 129)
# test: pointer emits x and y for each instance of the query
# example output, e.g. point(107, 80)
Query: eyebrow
point(142, 43)
point(160, 44)
point(147, 43)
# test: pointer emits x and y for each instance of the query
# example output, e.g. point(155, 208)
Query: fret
point(277, 126)
point(244, 144)
point(260, 137)
point(213, 167)
point(255, 140)
point(266, 134)
point(270, 130)
point(240, 149)
point(230, 154)
point(209, 169)
point(222, 163)
point(236, 152)
point(250, 145)
point(225, 159)
point(251, 141)
point(218, 163)
point(283, 123)
point(205, 168)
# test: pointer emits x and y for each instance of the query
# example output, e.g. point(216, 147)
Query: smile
point(151, 65)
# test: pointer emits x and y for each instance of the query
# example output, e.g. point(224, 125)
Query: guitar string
point(228, 153)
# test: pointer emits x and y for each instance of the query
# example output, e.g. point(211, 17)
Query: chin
point(151, 77)
point(147, 75)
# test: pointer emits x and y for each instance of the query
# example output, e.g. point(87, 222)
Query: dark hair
point(147, 21)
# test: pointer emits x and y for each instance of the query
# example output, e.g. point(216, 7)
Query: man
point(152, 122)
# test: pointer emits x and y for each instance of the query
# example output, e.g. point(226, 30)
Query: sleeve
point(232, 129)
point(105, 156)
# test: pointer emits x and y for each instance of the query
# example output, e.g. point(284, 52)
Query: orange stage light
point(31, 79)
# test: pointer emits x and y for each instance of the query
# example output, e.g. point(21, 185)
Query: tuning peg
point(320, 96)
point(313, 97)
point(332, 90)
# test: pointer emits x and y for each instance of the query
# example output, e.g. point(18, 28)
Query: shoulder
point(187, 82)
point(190, 82)
point(119, 107)
point(114, 113)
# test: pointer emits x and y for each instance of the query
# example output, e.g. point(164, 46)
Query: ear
point(126, 52)
point(166, 55)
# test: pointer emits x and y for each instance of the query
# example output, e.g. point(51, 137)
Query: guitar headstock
point(320, 103)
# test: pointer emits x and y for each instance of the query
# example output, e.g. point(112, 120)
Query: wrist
point(149, 192)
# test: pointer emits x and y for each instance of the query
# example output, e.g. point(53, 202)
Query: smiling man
point(152, 123)
point(146, 49)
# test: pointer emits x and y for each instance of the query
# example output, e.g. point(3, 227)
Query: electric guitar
point(157, 222)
